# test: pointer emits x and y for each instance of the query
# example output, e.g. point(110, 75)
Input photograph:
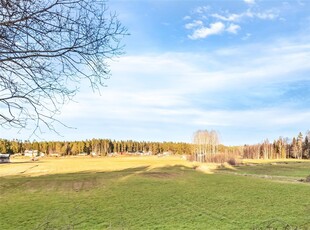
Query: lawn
point(275, 169)
point(144, 193)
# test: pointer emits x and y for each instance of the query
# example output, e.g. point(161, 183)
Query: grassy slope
point(290, 169)
point(146, 193)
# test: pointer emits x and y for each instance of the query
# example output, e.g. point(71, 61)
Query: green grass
point(296, 170)
point(174, 197)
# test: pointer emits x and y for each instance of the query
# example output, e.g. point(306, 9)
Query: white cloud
point(165, 82)
point(230, 17)
point(215, 28)
point(195, 23)
point(203, 32)
point(202, 9)
point(186, 17)
point(262, 117)
point(249, 1)
point(247, 36)
point(268, 15)
point(233, 28)
point(225, 21)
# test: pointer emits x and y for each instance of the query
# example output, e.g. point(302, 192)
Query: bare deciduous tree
point(47, 47)
point(205, 144)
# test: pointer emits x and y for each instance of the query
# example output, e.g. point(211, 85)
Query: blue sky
point(240, 67)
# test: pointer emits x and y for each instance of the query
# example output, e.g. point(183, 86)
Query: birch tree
point(299, 145)
point(205, 144)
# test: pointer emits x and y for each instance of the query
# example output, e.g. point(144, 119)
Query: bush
point(230, 158)
point(232, 161)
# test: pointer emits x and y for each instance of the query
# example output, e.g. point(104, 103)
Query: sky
point(240, 67)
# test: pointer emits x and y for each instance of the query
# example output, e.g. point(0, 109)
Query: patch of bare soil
point(307, 180)
point(82, 185)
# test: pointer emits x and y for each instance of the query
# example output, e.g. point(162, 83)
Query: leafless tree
point(47, 47)
point(205, 144)
point(299, 145)
point(266, 149)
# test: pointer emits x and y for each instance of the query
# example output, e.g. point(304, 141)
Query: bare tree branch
point(47, 47)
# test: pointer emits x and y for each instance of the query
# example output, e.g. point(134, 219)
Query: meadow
point(152, 193)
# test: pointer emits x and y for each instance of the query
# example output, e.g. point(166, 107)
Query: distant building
point(167, 153)
point(114, 154)
point(93, 154)
point(4, 158)
point(31, 153)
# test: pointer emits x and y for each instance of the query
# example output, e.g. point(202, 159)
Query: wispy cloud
point(229, 17)
point(194, 24)
point(203, 32)
point(225, 20)
point(249, 1)
point(213, 29)
point(233, 28)
point(232, 17)
point(172, 94)
point(267, 15)
point(172, 77)
point(247, 36)
point(201, 9)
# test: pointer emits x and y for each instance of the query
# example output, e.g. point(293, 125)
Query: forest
point(204, 142)
point(101, 147)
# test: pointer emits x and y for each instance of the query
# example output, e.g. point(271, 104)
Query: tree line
point(298, 148)
point(101, 147)
point(205, 146)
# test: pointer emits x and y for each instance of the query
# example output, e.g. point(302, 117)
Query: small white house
point(167, 153)
point(93, 154)
point(4, 158)
point(31, 153)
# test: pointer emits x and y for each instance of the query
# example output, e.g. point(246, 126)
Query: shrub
point(230, 158)
point(232, 161)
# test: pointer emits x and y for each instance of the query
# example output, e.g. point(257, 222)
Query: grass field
point(151, 193)
point(286, 170)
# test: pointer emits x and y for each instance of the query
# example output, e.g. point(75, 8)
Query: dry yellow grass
point(24, 166)
point(207, 168)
